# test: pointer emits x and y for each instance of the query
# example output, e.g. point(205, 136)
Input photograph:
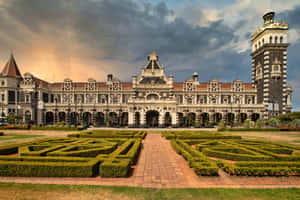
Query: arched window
point(263, 41)
point(258, 44)
point(271, 39)
point(255, 46)
point(281, 39)
point(276, 40)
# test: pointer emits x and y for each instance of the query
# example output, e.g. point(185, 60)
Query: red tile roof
point(11, 68)
point(247, 85)
point(225, 85)
point(40, 82)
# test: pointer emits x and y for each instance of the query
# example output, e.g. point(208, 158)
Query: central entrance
point(152, 118)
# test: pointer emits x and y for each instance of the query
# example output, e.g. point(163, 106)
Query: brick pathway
point(160, 166)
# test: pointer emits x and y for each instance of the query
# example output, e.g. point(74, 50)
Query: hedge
point(196, 160)
point(65, 157)
point(114, 168)
point(48, 169)
point(258, 171)
point(249, 129)
point(110, 134)
point(198, 135)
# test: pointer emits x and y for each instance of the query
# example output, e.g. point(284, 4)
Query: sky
point(78, 39)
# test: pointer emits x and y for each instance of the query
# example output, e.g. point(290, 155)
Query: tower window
point(281, 39)
point(263, 41)
point(255, 46)
point(271, 40)
point(259, 44)
point(276, 40)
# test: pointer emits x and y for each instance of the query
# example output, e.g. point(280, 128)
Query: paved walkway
point(161, 167)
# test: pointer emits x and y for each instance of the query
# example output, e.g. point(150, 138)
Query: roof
point(154, 80)
point(40, 82)
point(11, 68)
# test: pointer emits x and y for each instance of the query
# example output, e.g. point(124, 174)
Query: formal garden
point(76, 156)
point(207, 152)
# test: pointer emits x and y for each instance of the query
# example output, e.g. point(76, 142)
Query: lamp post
point(69, 117)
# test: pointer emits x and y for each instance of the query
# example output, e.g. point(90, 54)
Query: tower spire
point(11, 68)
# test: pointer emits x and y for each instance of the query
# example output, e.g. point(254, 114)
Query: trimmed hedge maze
point(70, 157)
point(207, 152)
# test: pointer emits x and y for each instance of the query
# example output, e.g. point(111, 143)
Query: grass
point(18, 136)
point(40, 191)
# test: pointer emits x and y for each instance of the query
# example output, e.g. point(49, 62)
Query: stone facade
point(153, 99)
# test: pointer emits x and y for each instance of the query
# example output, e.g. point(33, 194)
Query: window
point(263, 41)
point(271, 40)
point(276, 38)
point(45, 97)
point(11, 97)
point(189, 101)
point(2, 83)
point(3, 97)
point(276, 68)
point(281, 39)
point(259, 44)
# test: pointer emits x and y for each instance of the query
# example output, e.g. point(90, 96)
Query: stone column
point(174, 119)
point(130, 119)
point(142, 119)
point(161, 119)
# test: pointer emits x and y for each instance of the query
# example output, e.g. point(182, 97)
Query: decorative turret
point(269, 17)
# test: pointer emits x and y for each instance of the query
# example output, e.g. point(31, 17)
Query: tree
point(295, 123)
point(273, 122)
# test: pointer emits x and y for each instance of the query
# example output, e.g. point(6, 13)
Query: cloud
point(81, 39)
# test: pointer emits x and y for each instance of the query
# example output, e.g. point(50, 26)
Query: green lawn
point(36, 191)
point(18, 136)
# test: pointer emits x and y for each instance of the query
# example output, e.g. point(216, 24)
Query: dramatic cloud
point(91, 38)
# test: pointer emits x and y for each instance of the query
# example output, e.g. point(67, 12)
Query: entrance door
point(152, 118)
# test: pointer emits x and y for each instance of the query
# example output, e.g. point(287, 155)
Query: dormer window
point(189, 86)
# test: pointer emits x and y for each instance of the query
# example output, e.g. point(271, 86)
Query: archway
point(124, 119)
point(100, 119)
point(137, 119)
point(190, 119)
point(180, 119)
point(217, 117)
point(168, 119)
point(113, 118)
point(243, 117)
point(61, 116)
point(230, 118)
point(255, 117)
point(27, 116)
point(152, 118)
point(204, 119)
point(49, 118)
point(74, 118)
point(87, 118)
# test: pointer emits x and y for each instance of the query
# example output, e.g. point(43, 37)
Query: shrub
point(1, 133)
point(273, 122)
point(246, 123)
point(259, 123)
